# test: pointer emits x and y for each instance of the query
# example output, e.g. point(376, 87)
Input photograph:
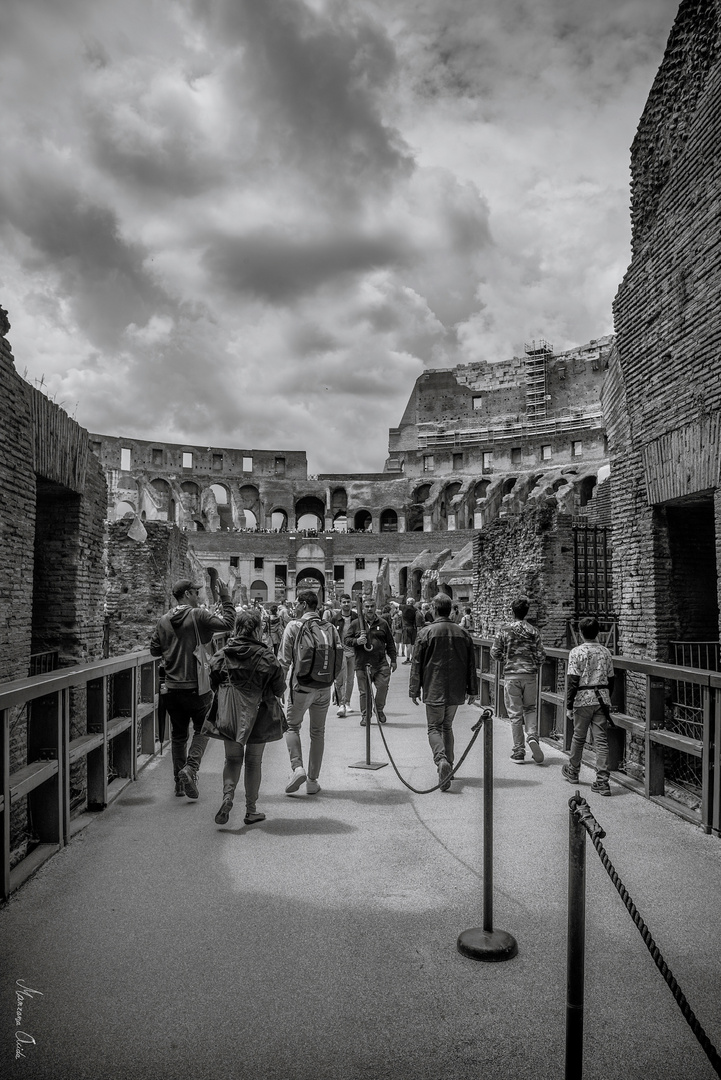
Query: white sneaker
point(341, 711)
point(348, 710)
point(312, 787)
point(536, 751)
point(296, 780)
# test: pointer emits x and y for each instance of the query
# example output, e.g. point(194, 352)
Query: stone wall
point(662, 400)
point(17, 518)
point(140, 576)
point(531, 554)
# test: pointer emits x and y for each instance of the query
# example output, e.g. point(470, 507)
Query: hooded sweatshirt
point(175, 640)
point(520, 648)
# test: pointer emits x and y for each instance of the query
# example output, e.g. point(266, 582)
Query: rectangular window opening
point(457, 462)
point(280, 466)
point(546, 452)
point(516, 455)
point(258, 562)
point(428, 463)
point(235, 561)
point(247, 464)
point(576, 448)
point(487, 460)
point(124, 458)
point(217, 462)
point(477, 401)
point(157, 457)
point(360, 564)
point(187, 460)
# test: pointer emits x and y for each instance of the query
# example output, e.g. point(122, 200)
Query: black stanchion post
point(487, 944)
point(575, 961)
point(368, 711)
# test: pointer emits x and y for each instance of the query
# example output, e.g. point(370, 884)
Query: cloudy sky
point(254, 223)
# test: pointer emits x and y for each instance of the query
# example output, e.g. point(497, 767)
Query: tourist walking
point(410, 627)
point(246, 712)
point(374, 648)
point(588, 701)
point(312, 648)
point(520, 649)
point(344, 683)
point(176, 638)
point(444, 671)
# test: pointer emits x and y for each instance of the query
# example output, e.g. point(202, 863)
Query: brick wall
point(530, 554)
point(662, 401)
point(140, 576)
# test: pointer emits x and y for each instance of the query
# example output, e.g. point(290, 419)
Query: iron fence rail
point(643, 716)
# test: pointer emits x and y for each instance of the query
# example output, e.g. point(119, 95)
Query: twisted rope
point(426, 791)
point(596, 832)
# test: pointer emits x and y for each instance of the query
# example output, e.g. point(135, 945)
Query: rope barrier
point(476, 728)
point(580, 809)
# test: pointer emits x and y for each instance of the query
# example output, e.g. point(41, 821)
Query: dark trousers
point(185, 707)
point(380, 677)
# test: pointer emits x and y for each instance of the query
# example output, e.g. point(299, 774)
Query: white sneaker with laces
point(341, 711)
point(296, 780)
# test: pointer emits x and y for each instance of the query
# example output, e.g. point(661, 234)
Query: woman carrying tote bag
point(246, 712)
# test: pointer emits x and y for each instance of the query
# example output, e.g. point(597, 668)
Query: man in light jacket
point(175, 638)
point(444, 668)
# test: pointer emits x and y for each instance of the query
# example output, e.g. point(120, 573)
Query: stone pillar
point(401, 523)
point(427, 523)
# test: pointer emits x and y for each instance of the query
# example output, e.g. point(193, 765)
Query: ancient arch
point(258, 590)
point(122, 509)
point(508, 485)
point(222, 502)
point(586, 490)
point(362, 519)
point(190, 498)
point(421, 493)
point(279, 519)
point(340, 521)
point(481, 489)
point(310, 513)
point(389, 521)
point(311, 578)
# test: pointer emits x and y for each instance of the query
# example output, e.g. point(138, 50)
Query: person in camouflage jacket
point(520, 649)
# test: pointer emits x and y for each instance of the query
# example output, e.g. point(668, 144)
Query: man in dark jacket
point(371, 646)
point(175, 639)
point(444, 668)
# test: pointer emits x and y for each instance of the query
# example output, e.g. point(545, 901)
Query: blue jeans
point(380, 677)
point(585, 717)
point(235, 753)
point(440, 731)
point(344, 682)
point(315, 702)
point(520, 698)
point(186, 707)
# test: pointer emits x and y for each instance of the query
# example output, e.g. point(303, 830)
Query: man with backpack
point(177, 637)
point(312, 648)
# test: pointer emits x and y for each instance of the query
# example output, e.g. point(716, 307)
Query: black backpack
point(317, 653)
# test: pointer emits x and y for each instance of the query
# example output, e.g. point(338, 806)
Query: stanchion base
point(369, 765)
point(489, 945)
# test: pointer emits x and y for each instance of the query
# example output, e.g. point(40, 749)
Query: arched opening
point(415, 590)
point(250, 504)
point(481, 489)
point(403, 581)
point(310, 513)
point(508, 485)
point(586, 493)
point(340, 521)
point(338, 501)
point(311, 578)
point(279, 520)
point(356, 592)
point(160, 493)
point(190, 498)
point(389, 521)
point(533, 483)
point(171, 510)
point(446, 589)
point(362, 521)
point(557, 484)
point(421, 493)
point(258, 591)
point(123, 509)
point(222, 501)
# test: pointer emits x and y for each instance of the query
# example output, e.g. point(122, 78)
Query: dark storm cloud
point(316, 82)
point(281, 269)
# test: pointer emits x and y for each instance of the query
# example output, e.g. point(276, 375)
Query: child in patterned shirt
point(590, 684)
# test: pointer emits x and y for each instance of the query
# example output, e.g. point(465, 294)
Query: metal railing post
point(575, 958)
point(487, 944)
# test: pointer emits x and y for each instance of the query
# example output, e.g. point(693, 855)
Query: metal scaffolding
point(537, 353)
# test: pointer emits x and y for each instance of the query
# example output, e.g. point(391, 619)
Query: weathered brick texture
point(662, 400)
point(532, 555)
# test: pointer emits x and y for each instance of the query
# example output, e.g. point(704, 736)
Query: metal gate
point(592, 593)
